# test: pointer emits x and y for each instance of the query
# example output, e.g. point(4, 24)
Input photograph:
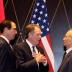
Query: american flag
point(40, 17)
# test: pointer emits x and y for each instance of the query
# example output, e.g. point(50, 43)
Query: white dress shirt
point(5, 38)
point(30, 45)
point(68, 50)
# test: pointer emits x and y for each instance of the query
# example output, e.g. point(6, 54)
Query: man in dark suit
point(7, 58)
point(29, 59)
point(66, 65)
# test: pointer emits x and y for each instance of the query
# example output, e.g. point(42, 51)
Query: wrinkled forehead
point(13, 25)
point(37, 29)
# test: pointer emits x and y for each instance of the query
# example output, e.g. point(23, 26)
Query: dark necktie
point(64, 55)
point(34, 49)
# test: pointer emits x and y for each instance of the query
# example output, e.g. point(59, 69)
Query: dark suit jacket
point(7, 58)
point(25, 60)
point(66, 65)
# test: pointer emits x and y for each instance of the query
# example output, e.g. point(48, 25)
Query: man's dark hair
point(30, 28)
point(5, 24)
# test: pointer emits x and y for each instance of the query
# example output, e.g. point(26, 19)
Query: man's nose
point(40, 36)
point(63, 39)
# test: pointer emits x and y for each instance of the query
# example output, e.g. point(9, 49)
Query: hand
point(40, 58)
point(44, 61)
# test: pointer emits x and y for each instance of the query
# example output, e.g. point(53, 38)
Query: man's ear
point(29, 35)
point(5, 29)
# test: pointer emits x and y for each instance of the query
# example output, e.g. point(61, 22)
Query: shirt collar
point(29, 43)
point(5, 38)
point(68, 50)
point(31, 46)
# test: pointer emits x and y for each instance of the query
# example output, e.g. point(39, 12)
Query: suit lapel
point(27, 50)
point(65, 60)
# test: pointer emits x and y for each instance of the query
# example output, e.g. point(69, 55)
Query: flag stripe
point(51, 69)
point(48, 50)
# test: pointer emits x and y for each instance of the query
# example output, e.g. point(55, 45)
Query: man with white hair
point(66, 65)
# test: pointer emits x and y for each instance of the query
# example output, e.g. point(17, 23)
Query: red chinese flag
point(2, 15)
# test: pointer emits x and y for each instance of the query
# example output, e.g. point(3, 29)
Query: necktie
point(35, 52)
point(64, 55)
point(34, 49)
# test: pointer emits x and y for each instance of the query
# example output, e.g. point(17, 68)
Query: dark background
point(59, 12)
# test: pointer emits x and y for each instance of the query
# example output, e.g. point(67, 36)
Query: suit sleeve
point(22, 61)
point(70, 65)
point(3, 52)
